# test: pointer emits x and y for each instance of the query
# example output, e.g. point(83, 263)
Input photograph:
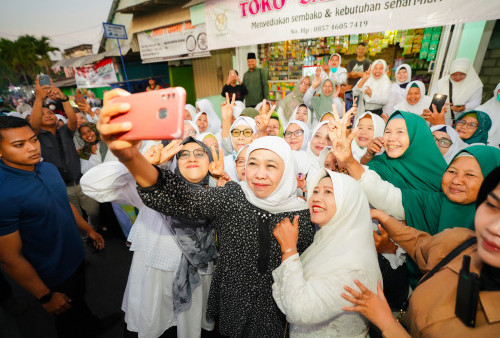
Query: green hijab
point(421, 167)
point(481, 133)
point(276, 117)
point(433, 212)
point(323, 103)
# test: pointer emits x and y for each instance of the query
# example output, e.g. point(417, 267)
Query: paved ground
point(107, 273)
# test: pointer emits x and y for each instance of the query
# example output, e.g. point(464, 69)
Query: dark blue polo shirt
point(36, 203)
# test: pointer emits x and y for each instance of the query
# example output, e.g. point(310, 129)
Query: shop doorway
point(211, 72)
point(182, 76)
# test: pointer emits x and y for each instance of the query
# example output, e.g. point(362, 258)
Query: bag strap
point(450, 91)
point(448, 258)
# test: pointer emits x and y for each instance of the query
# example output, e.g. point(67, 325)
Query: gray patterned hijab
point(196, 241)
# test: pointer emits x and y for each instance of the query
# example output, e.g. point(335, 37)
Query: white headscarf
point(214, 121)
point(284, 197)
point(378, 131)
point(236, 157)
point(306, 161)
point(193, 124)
point(62, 118)
point(462, 90)
point(346, 242)
point(309, 116)
point(238, 108)
point(191, 109)
point(417, 108)
point(210, 127)
point(201, 136)
point(378, 86)
point(242, 120)
point(492, 108)
point(408, 69)
point(307, 132)
point(340, 74)
point(457, 143)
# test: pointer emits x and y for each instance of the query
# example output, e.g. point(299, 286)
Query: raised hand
point(337, 91)
point(367, 73)
point(373, 306)
point(41, 92)
point(84, 107)
point(227, 108)
point(434, 117)
point(301, 182)
point(376, 145)
point(368, 91)
point(317, 78)
point(169, 151)
point(337, 132)
point(55, 93)
point(223, 180)
point(153, 154)
point(123, 150)
point(216, 167)
point(262, 120)
point(325, 67)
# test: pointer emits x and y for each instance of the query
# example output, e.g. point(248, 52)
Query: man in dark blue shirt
point(40, 245)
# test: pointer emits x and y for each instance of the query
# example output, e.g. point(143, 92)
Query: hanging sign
point(179, 40)
point(233, 23)
point(100, 74)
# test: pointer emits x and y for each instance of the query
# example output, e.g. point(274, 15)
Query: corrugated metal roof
point(89, 59)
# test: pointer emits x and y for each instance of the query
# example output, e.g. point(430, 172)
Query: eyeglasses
point(240, 162)
point(197, 153)
point(297, 133)
point(443, 142)
point(190, 132)
point(246, 132)
point(469, 125)
point(308, 84)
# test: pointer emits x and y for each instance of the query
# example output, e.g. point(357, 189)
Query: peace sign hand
point(216, 167)
point(262, 120)
point(337, 132)
point(228, 107)
point(366, 74)
point(169, 151)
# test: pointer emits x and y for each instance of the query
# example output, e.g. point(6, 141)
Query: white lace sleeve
point(312, 301)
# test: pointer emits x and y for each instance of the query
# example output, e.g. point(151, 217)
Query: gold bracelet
point(288, 250)
point(368, 157)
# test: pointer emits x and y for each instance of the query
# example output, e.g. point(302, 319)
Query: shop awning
point(89, 59)
point(159, 18)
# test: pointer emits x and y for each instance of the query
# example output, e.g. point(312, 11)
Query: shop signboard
point(182, 39)
point(232, 23)
point(100, 74)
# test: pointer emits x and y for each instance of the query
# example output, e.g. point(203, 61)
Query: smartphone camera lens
point(164, 97)
point(163, 113)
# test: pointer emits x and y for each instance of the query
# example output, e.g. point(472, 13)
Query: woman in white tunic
point(308, 288)
point(415, 100)
point(466, 88)
point(492, 108)
point(397, 91)
point(373, 88)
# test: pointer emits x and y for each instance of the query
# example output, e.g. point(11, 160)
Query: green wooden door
point(182, 76)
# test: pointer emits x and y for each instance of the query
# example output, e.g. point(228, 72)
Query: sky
point(67, 23)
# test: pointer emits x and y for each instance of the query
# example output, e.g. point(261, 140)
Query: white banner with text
point(100, 74)
point(231, 23)
point(182, 40)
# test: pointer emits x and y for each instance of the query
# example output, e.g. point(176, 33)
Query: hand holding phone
point(439, 101)
point(155, 115)
point(44, 80)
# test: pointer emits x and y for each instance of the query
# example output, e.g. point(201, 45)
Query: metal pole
point(123, 65)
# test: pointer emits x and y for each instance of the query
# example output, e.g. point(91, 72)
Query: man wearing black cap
point(255, 80)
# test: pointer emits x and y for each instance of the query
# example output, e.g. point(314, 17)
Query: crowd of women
point(308, 214)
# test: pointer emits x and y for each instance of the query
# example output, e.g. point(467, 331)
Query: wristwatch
point(64, 100)
point(46, 298)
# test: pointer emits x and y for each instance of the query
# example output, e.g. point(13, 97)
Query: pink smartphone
point(155, 115)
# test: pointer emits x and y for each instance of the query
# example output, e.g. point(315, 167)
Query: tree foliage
point(23, 59)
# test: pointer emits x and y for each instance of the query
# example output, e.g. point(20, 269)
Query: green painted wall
point(471, 37)
point(182, 76)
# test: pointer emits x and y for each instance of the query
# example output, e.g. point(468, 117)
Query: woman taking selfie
point(244, 216)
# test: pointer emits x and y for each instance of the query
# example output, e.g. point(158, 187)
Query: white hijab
point(378, 131)
point(417, 108)
point(242, 120)
point(306, 161)
point(492, 108)
point(408, 69)
point(214, 121)
point(378, 86)
point(462, 90)
point(235, 158)
point(284, 198)
point(457, 143)
point(193, 124)
point(191, 109)
point(309, 116)
point(346, 242)
point(307, 132)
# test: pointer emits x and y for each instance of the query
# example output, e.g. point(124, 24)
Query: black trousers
point(78, 321)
